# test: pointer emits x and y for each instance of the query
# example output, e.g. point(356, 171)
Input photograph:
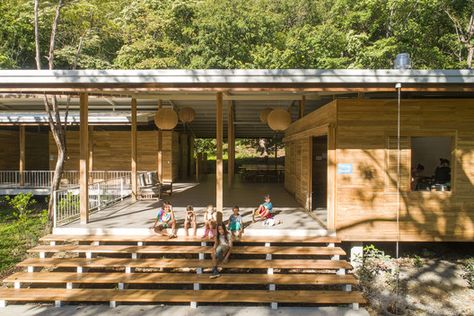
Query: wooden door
point(320, 173)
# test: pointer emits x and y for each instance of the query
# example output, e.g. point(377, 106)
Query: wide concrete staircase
point(153, 269)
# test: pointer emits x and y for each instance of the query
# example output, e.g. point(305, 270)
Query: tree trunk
point(470, 55)
point(52, 108)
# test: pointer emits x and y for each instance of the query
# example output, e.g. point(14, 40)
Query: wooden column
point(230, 144)
point(301, 107)
point(22, 155)
point(160, 151)
point(219, 164)
point(84, 159)
point(134, 150)
point(91, 151)
point(332, 174)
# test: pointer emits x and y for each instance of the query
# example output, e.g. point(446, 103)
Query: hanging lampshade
point(264, 115)
point(187, 114)
point(279, 119)
point(166, 118)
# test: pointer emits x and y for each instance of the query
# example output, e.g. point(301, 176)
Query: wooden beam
point(219, 163)
point(301, 106)
point(84, 159)
point(230, 143)
point(160, 150)
point(134, 150)
point(22, 155)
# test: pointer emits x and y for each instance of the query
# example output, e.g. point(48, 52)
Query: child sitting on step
point(264, 211)
point(236, 224)
point(210, 220)
point(165, 219)
point(190, 220)
point(221, 249)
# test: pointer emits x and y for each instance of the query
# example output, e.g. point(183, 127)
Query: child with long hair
point(165, 219)
point(210, 220)
point(221, 250)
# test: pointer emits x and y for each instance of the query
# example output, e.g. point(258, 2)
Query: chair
point(149, 187)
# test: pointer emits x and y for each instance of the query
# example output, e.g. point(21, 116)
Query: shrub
point(469, 272)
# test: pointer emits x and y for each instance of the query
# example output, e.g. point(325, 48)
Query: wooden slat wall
point(297, 155)
point(364, 205)
point(112, 151)
point(37, 151)
point(10, 150)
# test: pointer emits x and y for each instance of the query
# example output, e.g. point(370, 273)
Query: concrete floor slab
point(247, 196)
point(145, 310)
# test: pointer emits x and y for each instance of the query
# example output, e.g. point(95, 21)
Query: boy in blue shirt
point(264, 211)
point(236, 224)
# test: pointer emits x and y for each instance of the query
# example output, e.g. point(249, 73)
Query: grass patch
point(22, 223)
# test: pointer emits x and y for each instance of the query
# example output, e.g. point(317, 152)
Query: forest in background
point(194, 34)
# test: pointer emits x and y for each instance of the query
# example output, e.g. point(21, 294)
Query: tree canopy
point(155, 34)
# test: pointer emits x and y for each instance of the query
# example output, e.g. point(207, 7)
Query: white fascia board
point(223, 76)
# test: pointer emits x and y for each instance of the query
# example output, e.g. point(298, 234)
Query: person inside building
point(443, 173)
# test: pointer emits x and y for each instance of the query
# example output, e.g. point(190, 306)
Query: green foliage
point(469, 272)
point(21, 205)
point(417, 261)
point(149, 34)
point(373, 263)
point(20, 228)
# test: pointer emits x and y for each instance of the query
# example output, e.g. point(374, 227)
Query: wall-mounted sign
point(344, 168)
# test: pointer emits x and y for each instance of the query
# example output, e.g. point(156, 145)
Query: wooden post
point(160, 151)
point(22, 155)
point(331, 183)
point(84, 159)
point(198, 163)
point(91, 152)
point(301, 107)
point(230, 144)
point(134, 150)
point(219, 164)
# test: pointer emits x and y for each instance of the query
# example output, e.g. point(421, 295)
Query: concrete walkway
point(246, 195)
point(145, 310)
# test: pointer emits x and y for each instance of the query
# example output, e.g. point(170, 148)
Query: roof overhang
point(256, 80)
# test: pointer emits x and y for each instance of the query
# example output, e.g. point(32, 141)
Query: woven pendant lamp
point(187, 115)
point(279, 120)
point(166, 119)
point(264, 115)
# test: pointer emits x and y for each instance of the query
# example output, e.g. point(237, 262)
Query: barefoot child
point(165, 219)
point(264, 211)
point(236, 225)
point(210, 220)
point(190, 220)
point(221, 250)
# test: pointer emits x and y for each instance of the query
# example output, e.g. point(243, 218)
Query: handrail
point(103, 193)
point(42, 179)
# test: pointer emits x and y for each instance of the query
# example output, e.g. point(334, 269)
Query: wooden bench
point(167, 249)
point(179, 278)
point(179, 296)
point(185, 263)
point(157, 238)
